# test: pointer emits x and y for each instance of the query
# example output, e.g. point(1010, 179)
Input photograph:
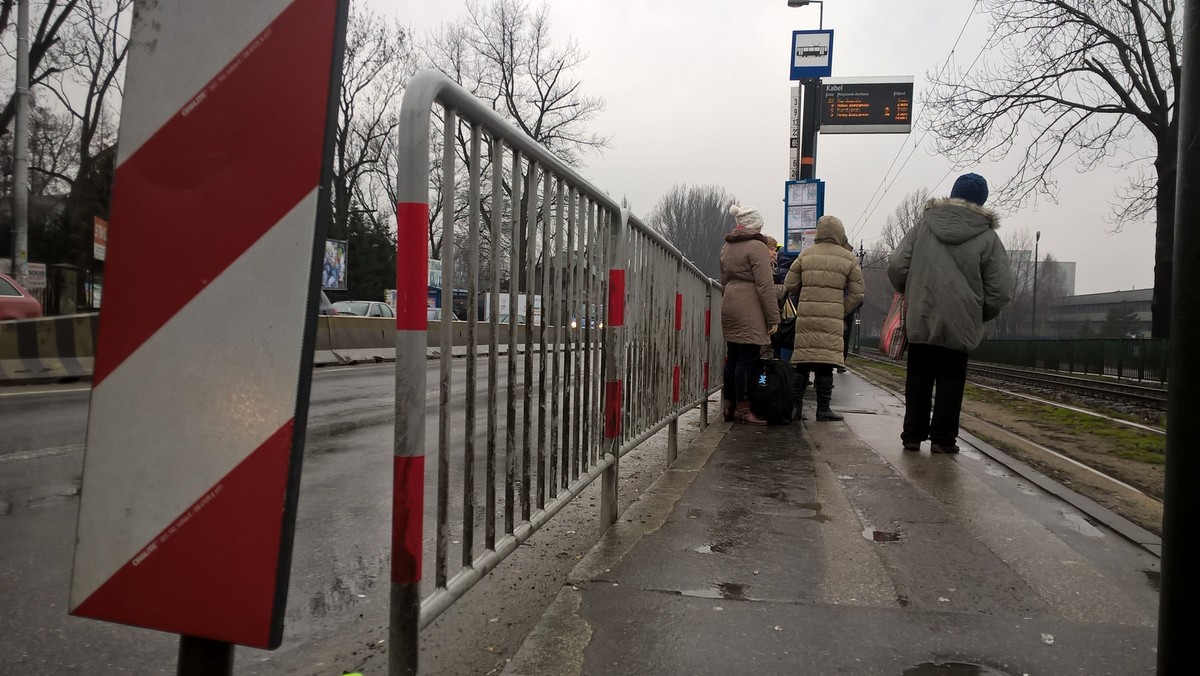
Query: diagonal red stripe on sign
point(215, 178)
point(220, 554)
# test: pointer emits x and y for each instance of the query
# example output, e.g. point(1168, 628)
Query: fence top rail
point(429, 86)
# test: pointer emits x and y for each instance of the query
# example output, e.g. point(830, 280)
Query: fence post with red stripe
point(676, 350)
point(614, 362)
point(708, 296)
point(408, 461)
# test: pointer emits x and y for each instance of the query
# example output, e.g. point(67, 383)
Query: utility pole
point(1180, 591)
point(20, 259)
point(1033, 324)
point(862, 256)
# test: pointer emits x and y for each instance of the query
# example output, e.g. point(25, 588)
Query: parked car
point(364, 308)
point(325, 307)
point(15, 301)
point(435, 314)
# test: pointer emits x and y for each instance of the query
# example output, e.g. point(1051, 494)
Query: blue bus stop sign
point(812, 54)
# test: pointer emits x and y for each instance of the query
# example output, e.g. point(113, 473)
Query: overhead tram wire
point(865, 216)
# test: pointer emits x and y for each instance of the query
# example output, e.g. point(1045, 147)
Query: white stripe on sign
point(222, 401)
point(190, 66)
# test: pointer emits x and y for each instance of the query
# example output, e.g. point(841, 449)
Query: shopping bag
point(893, 339)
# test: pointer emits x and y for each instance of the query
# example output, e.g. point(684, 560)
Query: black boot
point(799, 385)
point(824, 395)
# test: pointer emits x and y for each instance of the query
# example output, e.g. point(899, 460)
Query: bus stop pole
point(1179, 596)
point(204, 657)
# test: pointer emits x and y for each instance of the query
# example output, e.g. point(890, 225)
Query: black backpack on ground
point(770, 390)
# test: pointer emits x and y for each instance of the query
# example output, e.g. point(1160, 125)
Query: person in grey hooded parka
point(954, 272)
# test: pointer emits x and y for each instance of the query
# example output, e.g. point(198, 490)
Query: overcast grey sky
point(697, 92)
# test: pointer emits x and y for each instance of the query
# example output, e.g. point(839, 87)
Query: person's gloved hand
point(771, 331)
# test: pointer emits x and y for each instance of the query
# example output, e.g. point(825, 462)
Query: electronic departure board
point(866, 105)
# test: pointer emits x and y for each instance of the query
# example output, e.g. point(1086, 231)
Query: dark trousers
point(740, 360)
point(932, 368)
point(804, 368)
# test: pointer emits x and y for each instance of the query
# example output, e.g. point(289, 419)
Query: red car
point(15, 301)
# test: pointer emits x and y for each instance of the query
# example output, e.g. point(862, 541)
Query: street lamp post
point(802, 3)
point(1036, 238)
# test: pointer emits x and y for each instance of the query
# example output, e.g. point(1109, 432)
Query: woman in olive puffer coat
point(829, 283)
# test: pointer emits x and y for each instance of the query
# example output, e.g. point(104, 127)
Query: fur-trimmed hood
point(743, 235)
point(955, 221)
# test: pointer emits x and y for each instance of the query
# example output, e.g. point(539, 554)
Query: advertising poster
point(333, 270)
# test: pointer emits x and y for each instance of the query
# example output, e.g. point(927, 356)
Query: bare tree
point(503, 53)
point(1051, 292)
point(902, 219)
point(88, 89)
point(44, 58)
point(1076, 79)
point(696, 220)
point(378, 63)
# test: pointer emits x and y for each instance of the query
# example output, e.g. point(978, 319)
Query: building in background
point(1102, 315)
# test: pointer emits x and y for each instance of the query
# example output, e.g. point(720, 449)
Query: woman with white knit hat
point(749, 308)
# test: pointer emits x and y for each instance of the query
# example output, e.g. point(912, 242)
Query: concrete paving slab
point(824, 548)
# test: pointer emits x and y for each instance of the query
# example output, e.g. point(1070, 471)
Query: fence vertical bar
point(530, 248)
point(497, 156)
point(442, 543)
point(704, 378)
point(614, 348)
point(468, 528)
point(556, 456)
point(514, 276)
point(543, 346)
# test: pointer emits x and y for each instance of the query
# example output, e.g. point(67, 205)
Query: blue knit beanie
point(970, 187)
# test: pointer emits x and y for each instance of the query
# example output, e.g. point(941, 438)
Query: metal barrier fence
point(624, 350)
point(1131, 358)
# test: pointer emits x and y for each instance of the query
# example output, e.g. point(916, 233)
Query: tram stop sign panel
point(861, 105)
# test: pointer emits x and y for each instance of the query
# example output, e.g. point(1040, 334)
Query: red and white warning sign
point(200, 388)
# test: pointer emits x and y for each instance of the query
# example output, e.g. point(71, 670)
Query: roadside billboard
point(334, 265)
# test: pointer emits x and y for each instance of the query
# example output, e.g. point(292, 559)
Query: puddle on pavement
point(812, 510)
point(726, 590)
point(1081, 525)
point(880, 535)
point(1154, 577)
point(952, 669)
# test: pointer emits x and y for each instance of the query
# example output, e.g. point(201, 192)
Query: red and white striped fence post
point(707, 352)
point(412, 325)
point(614, 363)
point(673, 432)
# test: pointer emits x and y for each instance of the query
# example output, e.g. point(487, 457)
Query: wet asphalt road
point(337, 603)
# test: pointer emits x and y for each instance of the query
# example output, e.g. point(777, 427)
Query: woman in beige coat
point(829, 283)
point(749, 308)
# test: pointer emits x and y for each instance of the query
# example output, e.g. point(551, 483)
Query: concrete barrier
point(50, 348)
point(57, 348)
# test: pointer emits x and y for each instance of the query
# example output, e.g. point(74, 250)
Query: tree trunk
point(1164, 235)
